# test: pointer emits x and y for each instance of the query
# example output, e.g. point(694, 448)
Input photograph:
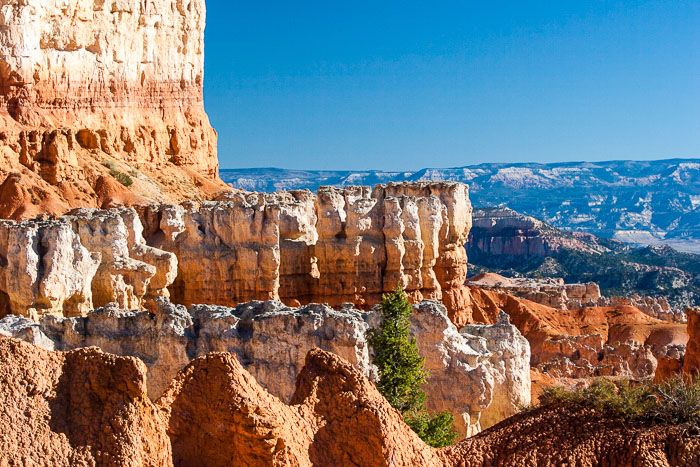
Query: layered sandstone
point(78, 408)
point(480, 374)
point(348, 245)
point(339, 245)
point(92, 89)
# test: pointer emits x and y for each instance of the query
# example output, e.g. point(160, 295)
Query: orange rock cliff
point(96, 92)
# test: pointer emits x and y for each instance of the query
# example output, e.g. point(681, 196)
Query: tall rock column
point(90, 89)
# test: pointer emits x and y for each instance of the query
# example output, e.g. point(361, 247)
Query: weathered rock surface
point(80, 261)
point(337, 418)
point(482, 371)
point(89, 408)
point(509, 357)
point(555, 436)
point(116, 81)
point(78, 408)
point(338, 246)
point(554, 293)
point(581, 343)
point(691, 361)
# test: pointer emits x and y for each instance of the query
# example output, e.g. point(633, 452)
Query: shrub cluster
point(673, 402)
point(121, 177)
point(402, 371)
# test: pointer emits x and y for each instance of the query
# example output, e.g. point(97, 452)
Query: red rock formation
point(78, 408)
point(555, 436)
point(86, 407)
point(580, 343)
point(340, 245)
point(691, 361)
point(337, 418)
point(87, 91)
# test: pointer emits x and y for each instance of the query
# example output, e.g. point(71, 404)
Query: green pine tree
point(402, 371)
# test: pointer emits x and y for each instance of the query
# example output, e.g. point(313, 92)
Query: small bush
point(121, 177)
point(109, 164)
point(674, 402)
point(678, 402)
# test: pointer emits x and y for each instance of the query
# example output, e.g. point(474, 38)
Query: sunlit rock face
point(84, 82)
point(336, 246)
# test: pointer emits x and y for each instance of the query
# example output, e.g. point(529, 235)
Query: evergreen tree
point(402, 371)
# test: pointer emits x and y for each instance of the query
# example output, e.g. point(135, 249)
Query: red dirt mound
point(555, 436)
point(83, 407)
point(219, 415)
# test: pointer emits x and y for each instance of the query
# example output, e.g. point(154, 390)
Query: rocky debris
point(554, 293)
point(159, 339)
point(339, 245)
point(117, 82)
point(78, 408)
point(582, 343)
point(479, 371)
point(691, 361)
point(25, 330)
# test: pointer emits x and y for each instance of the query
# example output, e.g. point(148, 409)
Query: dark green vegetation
point(674, 402)
point(121, 177)
point(402, 371)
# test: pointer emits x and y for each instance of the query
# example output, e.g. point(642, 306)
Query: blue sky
point(406, 85)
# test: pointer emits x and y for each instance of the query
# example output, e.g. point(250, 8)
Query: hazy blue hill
point(644, 202)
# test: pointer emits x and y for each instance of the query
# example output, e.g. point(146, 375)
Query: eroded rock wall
point(340, 245)
point(481, 370)
point(348, 245)
point(117, 82)
point(86, 259)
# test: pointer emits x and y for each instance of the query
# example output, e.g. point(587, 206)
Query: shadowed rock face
point(78, 408)
point(84, 82)
point(480, 372)
point(691, 361)
point(338, 246)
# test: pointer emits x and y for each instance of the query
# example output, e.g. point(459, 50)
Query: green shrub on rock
point(402, 371)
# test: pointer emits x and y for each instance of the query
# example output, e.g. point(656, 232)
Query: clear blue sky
point(405, 85)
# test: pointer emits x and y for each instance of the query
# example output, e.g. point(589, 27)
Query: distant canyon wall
point(89, 89)
point(340, 245)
